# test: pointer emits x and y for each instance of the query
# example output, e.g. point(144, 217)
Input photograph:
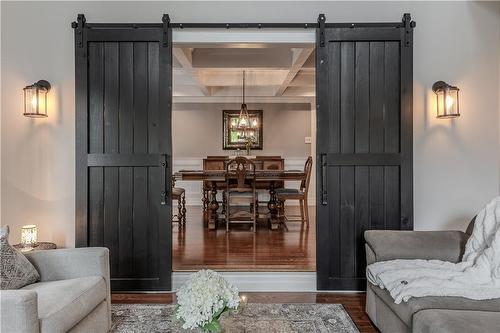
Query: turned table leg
point(184, 209)
point(179, 211)
point(213, 206)
point(272, 205)
point(205, 194)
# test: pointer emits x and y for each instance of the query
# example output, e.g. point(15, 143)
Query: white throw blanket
point(476, 277)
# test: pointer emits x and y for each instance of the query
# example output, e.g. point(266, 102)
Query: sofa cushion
point(16, 271)
point(405, 310)
point(451, 321)
point(63, 303)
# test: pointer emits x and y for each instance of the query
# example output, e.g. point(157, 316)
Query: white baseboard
point(261, 281)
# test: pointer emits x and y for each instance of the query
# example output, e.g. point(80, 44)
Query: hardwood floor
point(353, 303)
point(282, 250)
point(292, 249)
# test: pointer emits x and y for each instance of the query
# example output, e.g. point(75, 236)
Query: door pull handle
point(164, 165)
point(324, 184)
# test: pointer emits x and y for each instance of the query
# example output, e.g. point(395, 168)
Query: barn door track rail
point(80, 24)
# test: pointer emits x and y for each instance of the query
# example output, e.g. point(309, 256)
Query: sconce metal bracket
point(409, 25)
point(44, 84)
point(321, 25)
point(439, 85)
point(166, 24)
point(78, 25)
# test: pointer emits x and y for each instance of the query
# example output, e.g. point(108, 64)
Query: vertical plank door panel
point(126, 197)
point(392, 89)
point(362, 77)
point(126, 174)
point(111, 146)
point(96, 98)
point(377, 107)
point(96, 142)
point(362, 98)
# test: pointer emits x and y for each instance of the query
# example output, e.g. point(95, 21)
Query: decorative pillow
point(16, 270)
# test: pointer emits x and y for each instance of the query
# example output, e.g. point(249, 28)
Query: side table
point(39, 246)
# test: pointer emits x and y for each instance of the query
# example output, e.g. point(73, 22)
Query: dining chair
point(179, 194)
point(240, 185)
point(300, 194)
point(272, 162)
point(212, 163)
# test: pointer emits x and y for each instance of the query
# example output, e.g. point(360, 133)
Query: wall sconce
point(28, 237)
point(35, 99)
point(447, 100)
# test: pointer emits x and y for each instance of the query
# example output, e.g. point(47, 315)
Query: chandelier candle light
point(245, 126)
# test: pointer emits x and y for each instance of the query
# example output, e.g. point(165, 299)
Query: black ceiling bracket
point(321, 24)
point(166, 24)
point(409, 25)
point(78, 25)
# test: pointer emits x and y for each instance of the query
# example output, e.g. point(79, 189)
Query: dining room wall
point(198, 132)
point(456, 162)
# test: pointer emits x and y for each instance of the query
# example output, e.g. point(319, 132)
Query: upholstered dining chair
point(300, 194)
point(179, 194)
point(240, 182)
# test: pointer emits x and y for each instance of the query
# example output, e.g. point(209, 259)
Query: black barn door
point(364, 143)
point(123, 149)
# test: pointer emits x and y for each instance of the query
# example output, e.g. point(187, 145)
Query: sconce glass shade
point(35, 99)
point(447, 100)
point(29, 236)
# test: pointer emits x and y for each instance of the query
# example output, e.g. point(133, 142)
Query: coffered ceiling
point(212, 73)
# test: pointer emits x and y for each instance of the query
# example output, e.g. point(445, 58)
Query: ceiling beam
point(304, 79)
point(300, 56)
point(185, 58)
point(255, 91)
point(234, 78)
point(278, 57)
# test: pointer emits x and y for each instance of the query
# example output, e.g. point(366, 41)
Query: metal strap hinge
point(408, 25)
point(166, 24)
point(321, 25)
point(78, 25)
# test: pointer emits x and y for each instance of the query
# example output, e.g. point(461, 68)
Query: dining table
point(213, 177)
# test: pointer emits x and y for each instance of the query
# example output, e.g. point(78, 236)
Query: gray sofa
point(72, 295)
point(425, 314)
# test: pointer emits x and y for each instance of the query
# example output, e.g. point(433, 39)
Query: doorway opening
point(208, 92)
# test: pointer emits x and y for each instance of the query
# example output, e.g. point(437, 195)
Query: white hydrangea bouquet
point(203, 299)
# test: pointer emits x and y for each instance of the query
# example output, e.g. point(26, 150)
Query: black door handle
point(324, 188)
point(164, 165)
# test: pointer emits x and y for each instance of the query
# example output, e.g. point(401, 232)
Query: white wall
point(198, 132)
point(456, 161)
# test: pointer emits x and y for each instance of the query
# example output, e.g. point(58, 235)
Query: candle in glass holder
point(28, 237)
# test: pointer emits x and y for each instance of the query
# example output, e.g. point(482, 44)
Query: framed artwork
point(230, 138)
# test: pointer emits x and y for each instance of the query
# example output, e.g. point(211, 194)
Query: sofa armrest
point(63, 264)
point(385, 245)
point(19, 311)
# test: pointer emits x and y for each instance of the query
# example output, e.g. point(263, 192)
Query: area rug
point(252, 317)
